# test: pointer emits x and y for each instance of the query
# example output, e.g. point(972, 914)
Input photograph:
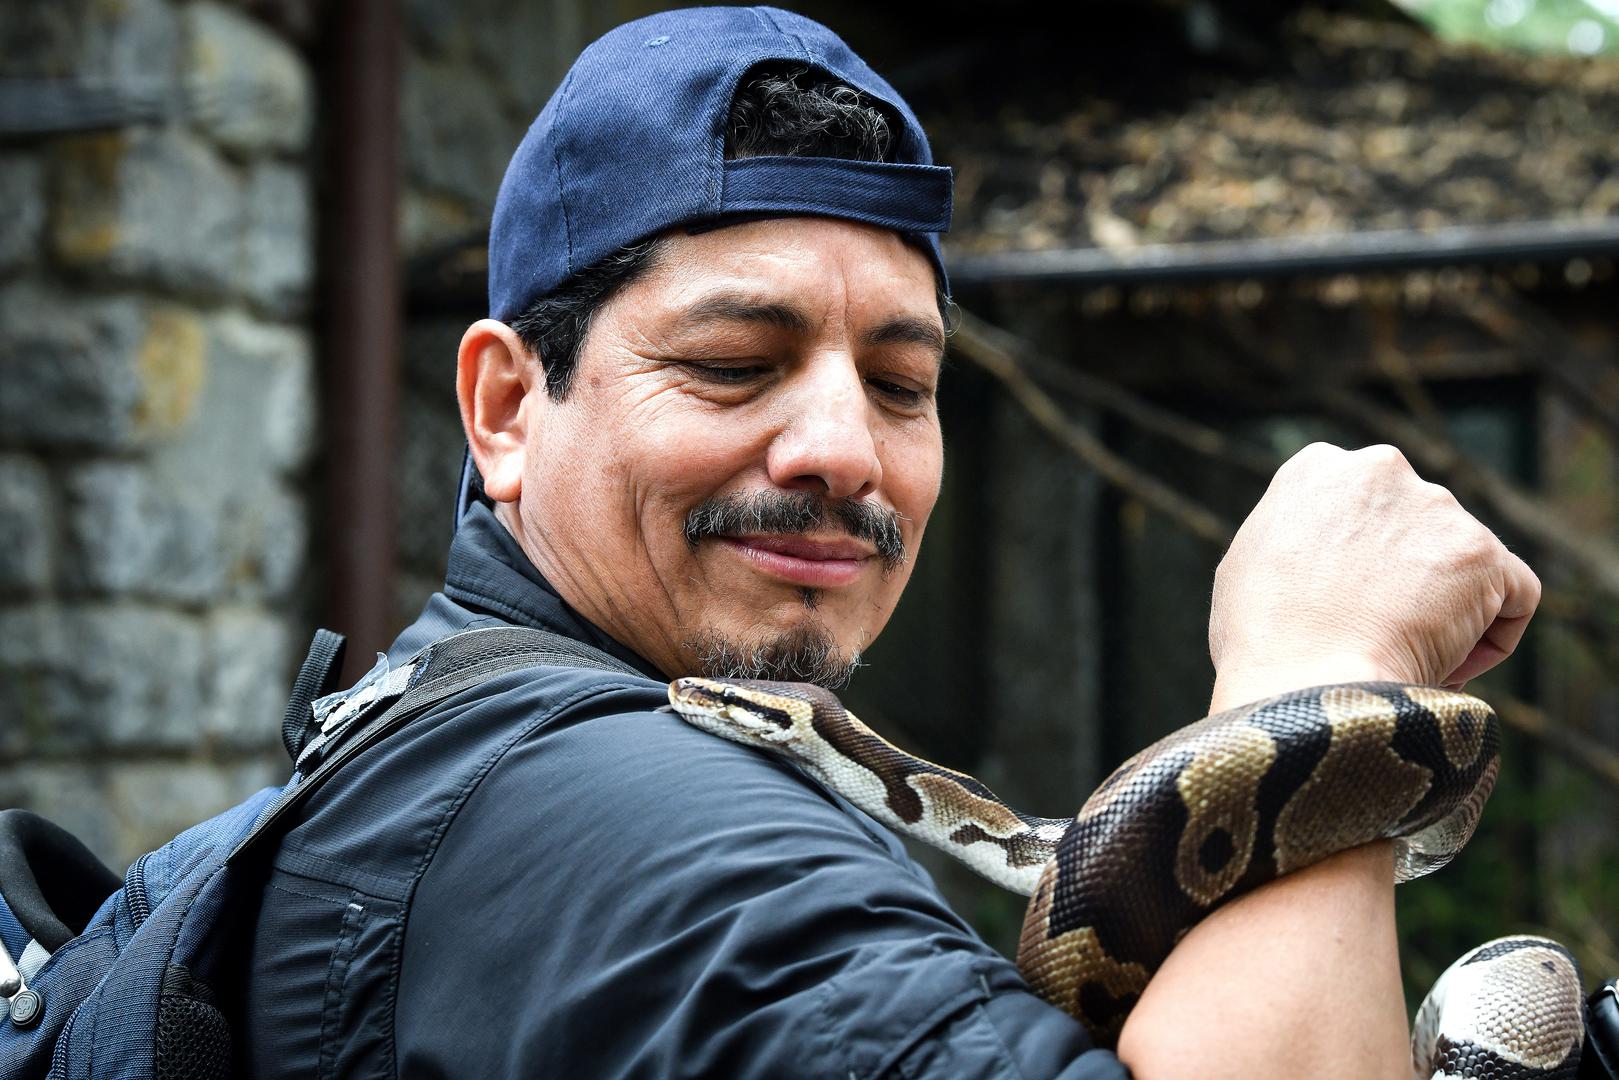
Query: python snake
point(1194, 821)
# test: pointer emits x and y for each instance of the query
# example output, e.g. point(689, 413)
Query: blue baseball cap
point(633, 144)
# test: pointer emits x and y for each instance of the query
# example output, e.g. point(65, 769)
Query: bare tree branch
point(1199, 438)
point(1396, 363)
point(1189, 514)
point(1530, 516)
point(1574, 746)
point(1004, 356)
point(1546, 346)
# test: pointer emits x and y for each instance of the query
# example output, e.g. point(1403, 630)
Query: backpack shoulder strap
point(317, 677)
point(443, 669)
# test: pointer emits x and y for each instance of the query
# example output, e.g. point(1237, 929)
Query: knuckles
point(1352, 552)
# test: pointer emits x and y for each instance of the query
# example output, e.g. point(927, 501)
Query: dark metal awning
point(1295, 256)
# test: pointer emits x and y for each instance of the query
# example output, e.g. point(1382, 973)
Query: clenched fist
point(1354, 568)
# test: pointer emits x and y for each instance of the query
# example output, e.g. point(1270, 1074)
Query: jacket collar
point(488, 572)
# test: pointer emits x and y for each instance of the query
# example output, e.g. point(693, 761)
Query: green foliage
point(1581, 27)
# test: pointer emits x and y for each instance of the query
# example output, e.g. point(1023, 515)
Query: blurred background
point(239, 242)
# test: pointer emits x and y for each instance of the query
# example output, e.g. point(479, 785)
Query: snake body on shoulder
point(1194, 821)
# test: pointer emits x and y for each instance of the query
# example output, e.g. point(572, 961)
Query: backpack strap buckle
point(334, 716)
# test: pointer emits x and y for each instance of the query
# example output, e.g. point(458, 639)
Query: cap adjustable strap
point(911, 198)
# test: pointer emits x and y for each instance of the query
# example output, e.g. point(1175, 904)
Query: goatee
point(806, 654)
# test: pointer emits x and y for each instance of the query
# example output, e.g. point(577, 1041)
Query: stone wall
point(157, 413)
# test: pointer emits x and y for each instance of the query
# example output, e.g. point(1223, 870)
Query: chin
point(807, 652)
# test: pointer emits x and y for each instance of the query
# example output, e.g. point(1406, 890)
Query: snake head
point(744, 712)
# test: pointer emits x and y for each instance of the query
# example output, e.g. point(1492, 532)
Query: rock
point(98, 677)
point(133, 43)
point(457, 138)
point(22, 193)
point(291, 413)
point(154, 801)
point(248, 677)
point(411, 591)
point(249, 89)
point(97, 372)
point(172, 366)
point(253, 427)
point(271, 540)
point(255, 414)
point(278, 258)
point(71, 794)
point(68, 371)
point(427, 356)
point(25, 526)
point(479, 35)
point(430, 223)
point(43, 41)
point(129, 536)
point(225, 412)
point(426, 480)
point(149, 206)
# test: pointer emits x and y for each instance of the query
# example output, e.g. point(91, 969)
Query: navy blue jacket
point(546, 877)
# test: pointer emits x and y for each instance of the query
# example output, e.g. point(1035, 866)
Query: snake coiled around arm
point(1192, 822)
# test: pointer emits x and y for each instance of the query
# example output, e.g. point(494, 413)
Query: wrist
point(1239, 683)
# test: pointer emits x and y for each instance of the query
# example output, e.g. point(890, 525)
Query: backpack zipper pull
point(24, 1005)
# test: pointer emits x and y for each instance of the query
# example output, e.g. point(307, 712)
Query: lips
point(803, 560)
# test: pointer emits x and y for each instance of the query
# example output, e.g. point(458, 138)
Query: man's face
point(758, 375)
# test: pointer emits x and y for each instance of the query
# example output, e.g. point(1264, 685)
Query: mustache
point(797, 512)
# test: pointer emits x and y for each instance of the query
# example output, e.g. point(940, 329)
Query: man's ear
point(494, 375)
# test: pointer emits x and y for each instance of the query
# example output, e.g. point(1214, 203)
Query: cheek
point(667, 457)
point(913, 469)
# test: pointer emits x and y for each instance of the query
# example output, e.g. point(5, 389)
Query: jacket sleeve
point(622, 895)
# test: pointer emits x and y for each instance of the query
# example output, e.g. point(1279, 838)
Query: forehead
point(820, 265)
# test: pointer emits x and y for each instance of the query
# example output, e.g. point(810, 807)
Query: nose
point(827, 443)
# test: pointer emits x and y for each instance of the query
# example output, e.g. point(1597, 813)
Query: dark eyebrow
point(738, 307)
point(906, 330)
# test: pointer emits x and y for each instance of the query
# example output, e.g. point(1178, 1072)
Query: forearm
point(1299, 978)
point(1312, 952)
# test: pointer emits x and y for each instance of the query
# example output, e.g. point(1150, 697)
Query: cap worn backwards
point(633, 143)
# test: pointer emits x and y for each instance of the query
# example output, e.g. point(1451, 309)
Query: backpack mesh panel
point(193, 1039)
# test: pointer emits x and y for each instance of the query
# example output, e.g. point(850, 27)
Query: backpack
point(105, 977)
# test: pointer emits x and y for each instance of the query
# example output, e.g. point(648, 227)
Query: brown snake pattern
point(1190, 823)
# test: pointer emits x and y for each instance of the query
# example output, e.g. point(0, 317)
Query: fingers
point(1520, 597)
point(1522, 589)
point(1495, 646)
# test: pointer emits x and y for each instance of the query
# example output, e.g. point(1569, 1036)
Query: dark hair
point(788, 111)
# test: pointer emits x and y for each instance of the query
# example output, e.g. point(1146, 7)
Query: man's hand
point(1354, 568)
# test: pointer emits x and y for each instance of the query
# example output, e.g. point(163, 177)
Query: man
point(703, 422)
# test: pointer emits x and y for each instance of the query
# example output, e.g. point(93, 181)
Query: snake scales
point(1194, 821)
